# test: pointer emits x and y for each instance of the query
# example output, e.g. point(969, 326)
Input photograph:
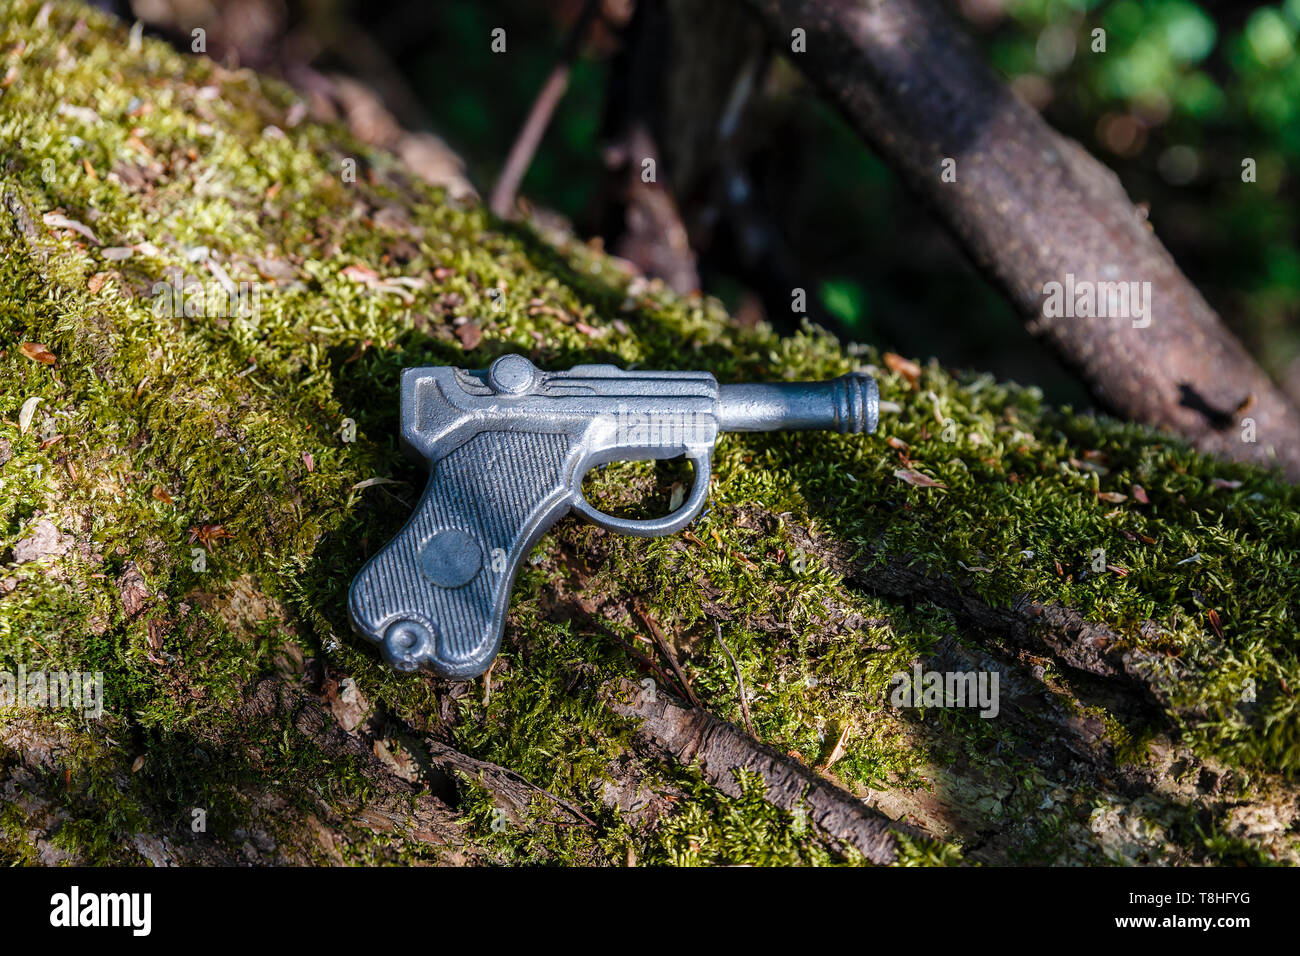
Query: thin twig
point(576, 611)
point(646, 662)
point(539, 117)
point(441, 753)
point(740, 681)
point(668, 654)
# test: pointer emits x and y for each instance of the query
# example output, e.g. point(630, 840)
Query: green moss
point(745, 830)
point(171, 423)
point(918, 852)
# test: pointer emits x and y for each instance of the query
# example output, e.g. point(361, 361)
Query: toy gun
point(507, 450)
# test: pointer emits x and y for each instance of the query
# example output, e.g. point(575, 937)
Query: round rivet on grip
point(512, 374)
point(451, 558)
point(406, 643)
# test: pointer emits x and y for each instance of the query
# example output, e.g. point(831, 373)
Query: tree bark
point(1032, 207)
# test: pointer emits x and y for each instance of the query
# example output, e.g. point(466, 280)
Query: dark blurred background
point(764, 187)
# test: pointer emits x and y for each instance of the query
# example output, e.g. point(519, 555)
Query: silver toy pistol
point(507, 450)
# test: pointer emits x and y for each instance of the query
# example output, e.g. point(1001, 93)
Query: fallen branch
point(1032, 207)
point(691, 735)
point(1025, 622)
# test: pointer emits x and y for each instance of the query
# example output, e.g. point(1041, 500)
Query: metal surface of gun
point(507, 450)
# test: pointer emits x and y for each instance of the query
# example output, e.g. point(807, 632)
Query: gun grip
point(436, 595)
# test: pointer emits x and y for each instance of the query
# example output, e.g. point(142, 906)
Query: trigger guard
point(654, 527)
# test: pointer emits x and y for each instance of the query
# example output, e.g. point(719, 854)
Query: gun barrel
point(850, 403)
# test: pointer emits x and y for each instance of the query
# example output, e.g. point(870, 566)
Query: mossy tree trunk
point(187, 492)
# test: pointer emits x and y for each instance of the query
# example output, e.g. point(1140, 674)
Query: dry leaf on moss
point(913, 477)
point(38, 353)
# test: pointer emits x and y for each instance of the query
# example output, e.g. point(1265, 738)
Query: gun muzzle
point(850, 403)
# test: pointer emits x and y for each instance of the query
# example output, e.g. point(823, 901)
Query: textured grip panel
point(436, 595)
